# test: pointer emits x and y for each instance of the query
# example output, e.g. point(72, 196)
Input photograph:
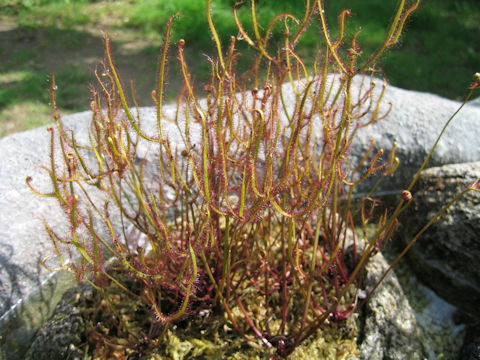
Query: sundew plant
point(246, 208)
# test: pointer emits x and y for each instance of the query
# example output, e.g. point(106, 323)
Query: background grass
point(439, 52)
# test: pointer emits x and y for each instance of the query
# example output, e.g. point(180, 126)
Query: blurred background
point(439, 53)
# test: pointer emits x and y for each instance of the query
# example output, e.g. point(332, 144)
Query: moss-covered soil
point(208, 335)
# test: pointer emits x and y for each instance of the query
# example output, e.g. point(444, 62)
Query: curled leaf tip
point(476, 81)
point(407, 195)
point(475, 186)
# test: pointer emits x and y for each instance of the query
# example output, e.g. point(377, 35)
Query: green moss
point(209, 335)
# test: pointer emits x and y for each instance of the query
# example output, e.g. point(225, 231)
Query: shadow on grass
point(32, 54)
point(29, 55)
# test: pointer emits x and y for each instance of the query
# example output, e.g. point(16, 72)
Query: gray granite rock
point(474, 102)
point(446, 257)
point(24, 242)
point(414, 123)
point(389, 327)
point(60, 337)
point(471, 346)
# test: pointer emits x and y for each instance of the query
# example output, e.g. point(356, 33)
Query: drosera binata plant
point(246, 208)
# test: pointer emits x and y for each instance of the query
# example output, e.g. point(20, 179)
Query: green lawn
point(439, 52)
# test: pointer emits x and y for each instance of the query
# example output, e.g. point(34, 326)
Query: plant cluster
point(248, 210)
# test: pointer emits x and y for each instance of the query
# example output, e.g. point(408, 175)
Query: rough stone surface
point(446, 256)
point(474, 102)
point(59, 338)
point(414, 123)
point(24, 242)
point(390, 330)
point(471, 347)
